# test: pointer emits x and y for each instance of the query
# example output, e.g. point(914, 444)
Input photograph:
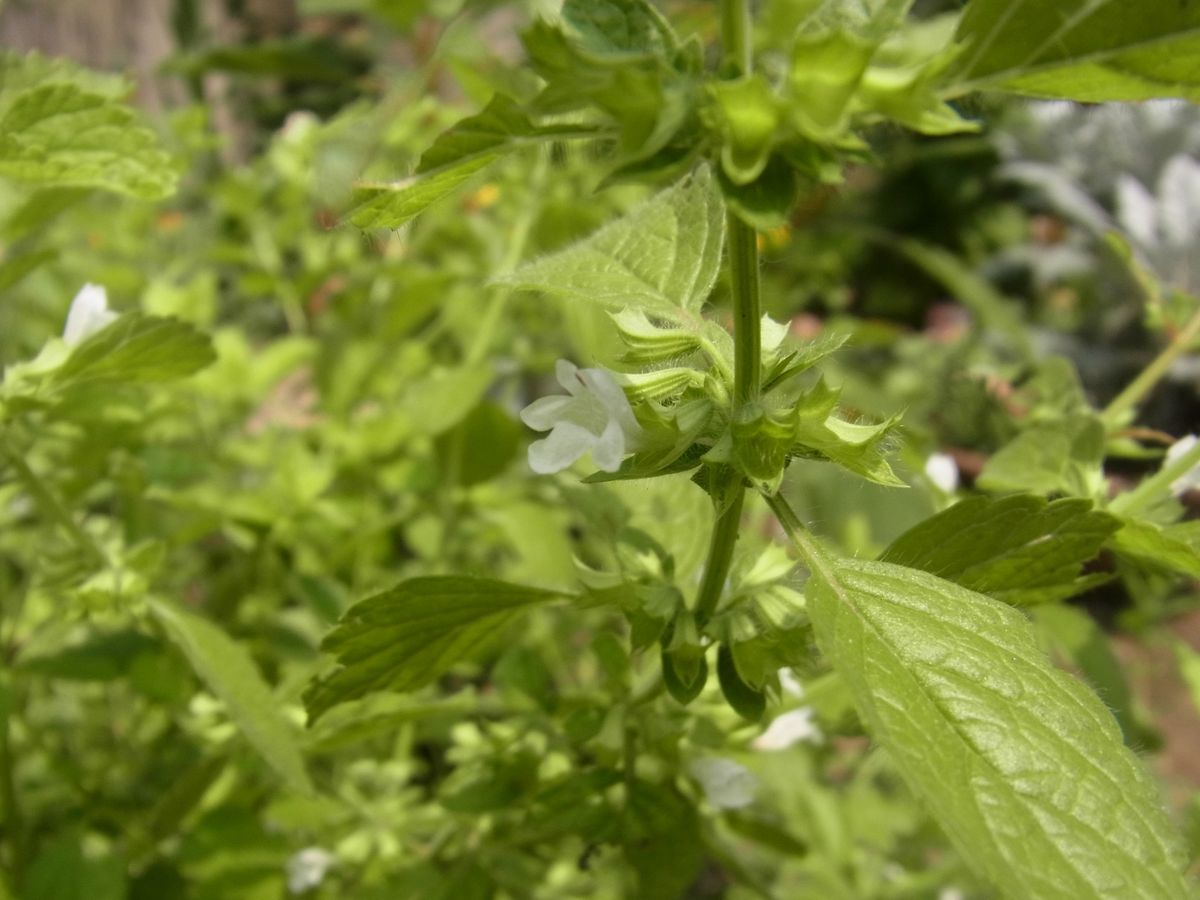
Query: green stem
point(737, 58)
point(1157, 486)
point(747, 315)
point(720, 549)
point(728, 489)
point(815, 557)
point(1129, 398)
point(50, 504)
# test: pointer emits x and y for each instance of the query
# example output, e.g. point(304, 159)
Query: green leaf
point(445, 397)
point(616, 28)
point(683, 689)
point(137, 348)
point(1050, 458)
point(229, 672)
point(1022, 765)
point(1076, 636)
point(1158, 547)
point(1089, 50)
point(65, 870)
point(465, 149)
point(1019, 549)
point(406, 637)
point(16, 267)
point(746, 701)
point(661, 258)
point(65, 136)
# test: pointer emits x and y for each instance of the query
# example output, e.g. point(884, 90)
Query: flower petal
point(567, 374)
point(545, 412)
point(790, 728)
point(566, 443)
point(89, 313)
point(609, 448)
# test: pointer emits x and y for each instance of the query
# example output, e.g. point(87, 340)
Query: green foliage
point(459, 154)
point(286, 415)
point(406, 637)
point(1083, 50)
point(954, 685)
point(1018, 549)
point(65, 129)
point(229, 672)
point(661, 259)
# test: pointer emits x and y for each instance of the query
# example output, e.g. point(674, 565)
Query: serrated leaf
point(1019, 549)
point(619, 27)
point(229, 672)
point(1050, 458)
point(63, 135)
point(1023, 767)
point(137, 348)
point(661, 258)
point(1158, 547)
point(467, 148)
point(406, 637)
point(1090, 50)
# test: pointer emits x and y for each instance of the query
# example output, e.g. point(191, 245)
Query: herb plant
point(639, 632)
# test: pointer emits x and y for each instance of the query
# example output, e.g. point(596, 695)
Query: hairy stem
point(747, 339)
point(1137, 389)
point(720, 550)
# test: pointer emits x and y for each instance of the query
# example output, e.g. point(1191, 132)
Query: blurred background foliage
point(359, 426)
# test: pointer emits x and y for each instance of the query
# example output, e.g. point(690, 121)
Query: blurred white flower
point(790, 683)
point(1165, 229)
point(89, 313)
point(306, 869)
point(942, 470)
point(1190, 479)
point(790, 728)
point(726, 784)
point(594, 415)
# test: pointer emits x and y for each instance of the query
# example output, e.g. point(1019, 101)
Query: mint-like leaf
point(1020, 763)
point(406, 637)
point(1018, 549)
point(230, 673)
point(1091, 50)
point(661, 258)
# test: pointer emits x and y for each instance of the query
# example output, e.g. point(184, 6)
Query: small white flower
point(790, 728)
point(1190, 479)
point(594, 415)
point(726, 784)
point(89, 313)
point(1166, 227)
point(942, 470)
point(306, 869)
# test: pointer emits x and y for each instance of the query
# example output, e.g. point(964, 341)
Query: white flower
point(1166, 228)
point(89, 313)
point(726, 784)
point(790, 728)
point(594, 415)
point(1190, 479)
point(942, 470)
point(307, 868)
